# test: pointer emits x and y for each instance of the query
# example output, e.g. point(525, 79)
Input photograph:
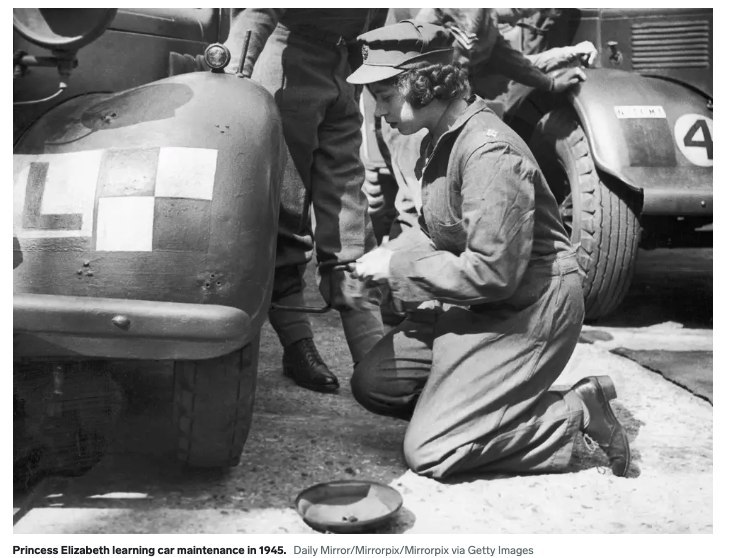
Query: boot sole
point(321, 388)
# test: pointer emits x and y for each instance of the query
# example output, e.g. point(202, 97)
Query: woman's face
point(398, 113)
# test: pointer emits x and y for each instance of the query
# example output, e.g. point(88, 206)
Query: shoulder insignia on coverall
point(491, 133)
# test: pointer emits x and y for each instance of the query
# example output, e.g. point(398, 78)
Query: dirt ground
point(300, 438)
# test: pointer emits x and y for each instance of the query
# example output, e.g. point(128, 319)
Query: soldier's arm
point(583, 53)
point(511, 63)
point(260, 22)
point(513, 15)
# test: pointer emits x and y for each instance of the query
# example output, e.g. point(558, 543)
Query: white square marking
point(69, 177)
point(125, 224)
point(186, 172)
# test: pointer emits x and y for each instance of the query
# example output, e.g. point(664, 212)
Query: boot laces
point(590, 443)
point(310, 353)
point(592, 446)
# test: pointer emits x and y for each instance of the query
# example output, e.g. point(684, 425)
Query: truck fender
point(654, 135)
point(166, 192)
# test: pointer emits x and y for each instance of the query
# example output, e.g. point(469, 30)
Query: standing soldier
point(303, 57)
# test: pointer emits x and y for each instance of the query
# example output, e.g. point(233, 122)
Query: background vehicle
point(145, 214)
point(628, 154)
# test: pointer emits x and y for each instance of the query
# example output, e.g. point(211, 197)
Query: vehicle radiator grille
point(671, 44)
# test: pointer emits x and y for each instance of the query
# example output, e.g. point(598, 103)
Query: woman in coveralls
point(472, 372)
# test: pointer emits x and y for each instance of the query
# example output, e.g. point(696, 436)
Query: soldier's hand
point(562, 81)
point(586, 52)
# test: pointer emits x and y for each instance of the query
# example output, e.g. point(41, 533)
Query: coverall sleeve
point(512, 64)
point(412, 238)
point(261, 22)
point(498, 215)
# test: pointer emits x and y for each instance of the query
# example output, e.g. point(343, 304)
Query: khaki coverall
point(303, 57)
point(473, 376)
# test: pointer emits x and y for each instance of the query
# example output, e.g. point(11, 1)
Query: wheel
point(213, 406)
point(602, 221)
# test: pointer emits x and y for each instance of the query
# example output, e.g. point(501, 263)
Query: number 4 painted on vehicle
point(706, 140)
point(694, 137)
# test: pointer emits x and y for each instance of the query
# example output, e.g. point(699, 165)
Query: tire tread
point(213, 406)
point(606, 228)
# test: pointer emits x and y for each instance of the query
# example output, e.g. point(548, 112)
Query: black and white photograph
point(362, 271)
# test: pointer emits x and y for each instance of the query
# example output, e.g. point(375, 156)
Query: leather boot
point(302, 362)
point(602, 424)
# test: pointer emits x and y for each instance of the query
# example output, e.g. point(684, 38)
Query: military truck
point(145, 209)
point(629, 153)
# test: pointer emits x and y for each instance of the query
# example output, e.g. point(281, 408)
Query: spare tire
point(213, 406)
point(602, 221)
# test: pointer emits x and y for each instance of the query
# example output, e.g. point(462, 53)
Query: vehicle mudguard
point(654, 135)
point(166, 192)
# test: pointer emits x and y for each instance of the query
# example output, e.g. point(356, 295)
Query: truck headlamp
point(217, 56)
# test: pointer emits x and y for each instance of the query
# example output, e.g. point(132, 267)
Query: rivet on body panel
point(122, 322)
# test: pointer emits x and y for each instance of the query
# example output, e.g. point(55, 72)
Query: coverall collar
point(475, 105)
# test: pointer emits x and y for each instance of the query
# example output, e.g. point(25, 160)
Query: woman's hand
point(373, 266)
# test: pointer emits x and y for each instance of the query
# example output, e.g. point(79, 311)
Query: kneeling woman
point(473, 372)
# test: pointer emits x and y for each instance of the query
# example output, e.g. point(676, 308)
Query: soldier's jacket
point(530, 33)
point(324, 24)
point(481, 47)
point(488, 216)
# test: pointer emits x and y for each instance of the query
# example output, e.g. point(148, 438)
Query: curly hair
point(427, 81)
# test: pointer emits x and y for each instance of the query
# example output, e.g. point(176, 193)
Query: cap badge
point(365, 52)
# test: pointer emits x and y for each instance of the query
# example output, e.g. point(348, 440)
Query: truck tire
point(602, 223)
point(213, 406)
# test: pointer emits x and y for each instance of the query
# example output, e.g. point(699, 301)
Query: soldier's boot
point(303, 363)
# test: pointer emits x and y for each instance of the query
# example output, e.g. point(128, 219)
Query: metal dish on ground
point(347, 506)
